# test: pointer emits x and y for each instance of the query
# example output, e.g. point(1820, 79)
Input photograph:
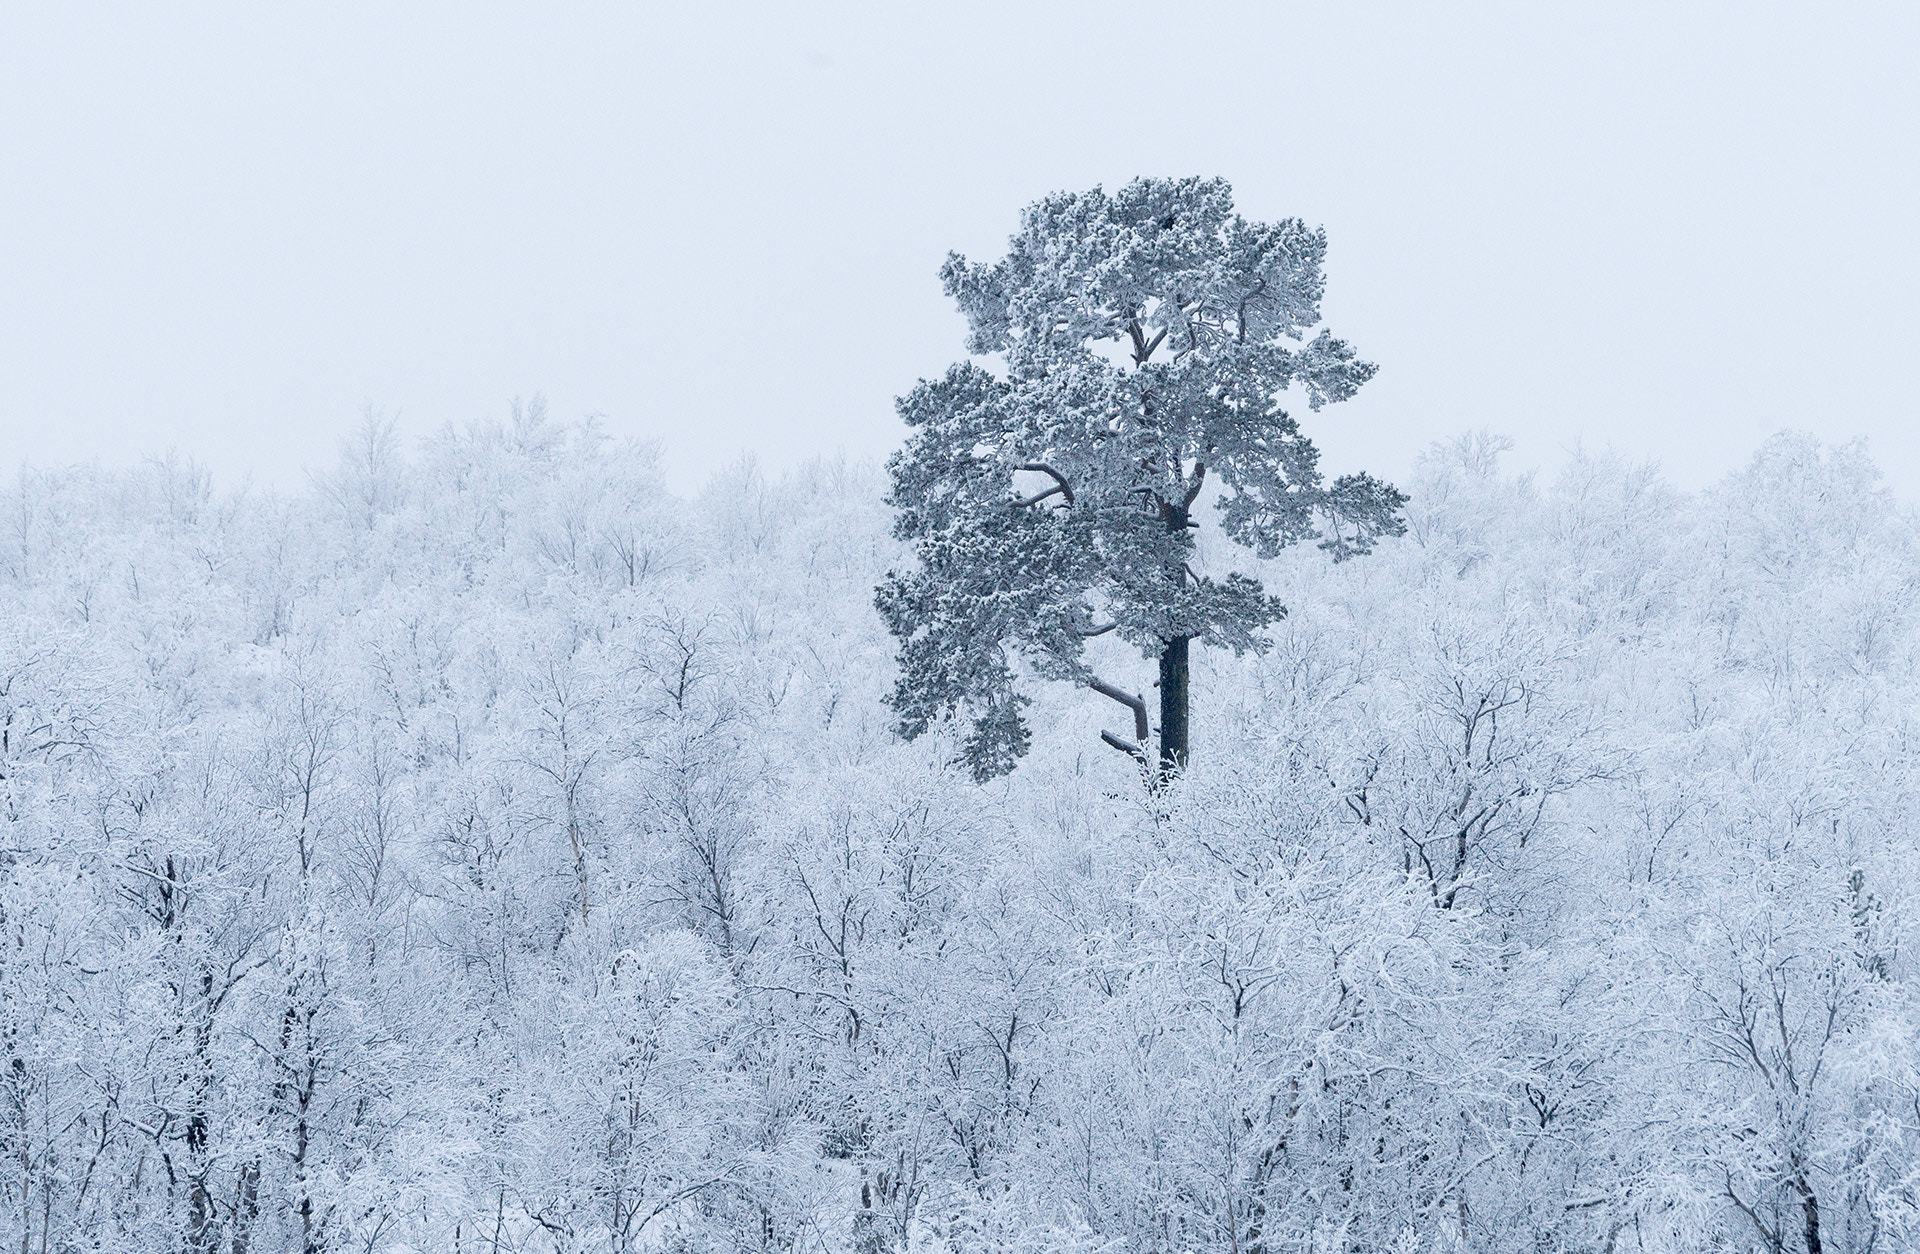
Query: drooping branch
point(1060, 481)
point(1133, 702)
point(1130, 700)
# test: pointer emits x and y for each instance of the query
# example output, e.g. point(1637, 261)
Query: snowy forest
point(486, 848)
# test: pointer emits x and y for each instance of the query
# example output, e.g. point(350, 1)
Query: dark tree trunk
point(246, 1208)
point(1810, 1212)
point(1173, 704)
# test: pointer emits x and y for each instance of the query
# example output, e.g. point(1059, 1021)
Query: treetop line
point(1148, 338)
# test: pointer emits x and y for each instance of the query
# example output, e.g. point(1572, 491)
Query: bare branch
point(1131, 701)
point(1135, 752)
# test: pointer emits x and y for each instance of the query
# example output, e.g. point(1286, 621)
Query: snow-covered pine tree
point(1148, 338)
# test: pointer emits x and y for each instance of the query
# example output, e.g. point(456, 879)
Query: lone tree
point(1148, 338)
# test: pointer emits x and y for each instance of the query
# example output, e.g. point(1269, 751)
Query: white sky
point(1673, 228)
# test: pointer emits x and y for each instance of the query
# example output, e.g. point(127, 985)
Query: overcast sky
point(1672, 228)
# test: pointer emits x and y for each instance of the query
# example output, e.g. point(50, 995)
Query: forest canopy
point(482, 848)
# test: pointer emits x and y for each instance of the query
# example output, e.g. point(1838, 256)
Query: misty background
point(226, 229)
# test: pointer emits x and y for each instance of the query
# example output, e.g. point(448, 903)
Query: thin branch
point(1088, 633)
point(1133, 751)
point(177, 885)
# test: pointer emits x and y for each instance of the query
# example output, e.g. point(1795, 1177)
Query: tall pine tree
point(1148, 338)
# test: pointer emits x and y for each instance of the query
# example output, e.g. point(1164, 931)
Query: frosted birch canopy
point(486, 850)
point(1141, 346)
